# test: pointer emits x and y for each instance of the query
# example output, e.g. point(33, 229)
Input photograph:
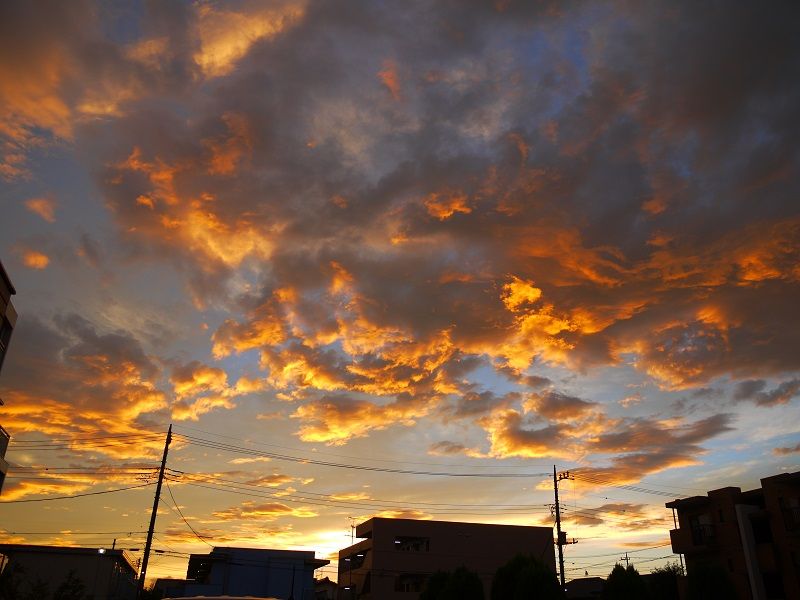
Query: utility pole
point(626, 559)
point(146, 557)
point(560, 537)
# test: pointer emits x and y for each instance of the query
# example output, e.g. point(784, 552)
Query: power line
point(69, 532)
point(244, 492)
point(387, 460)
point(131, 487)
point(328, 500)
point(247, 451)
point(611, 483)
point(180, 512)
point(333, 497)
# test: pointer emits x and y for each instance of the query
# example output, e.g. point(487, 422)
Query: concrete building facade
point(396, 556)
point(106, 574)
point(287, 574)
point(754, 536)
point(8, 320)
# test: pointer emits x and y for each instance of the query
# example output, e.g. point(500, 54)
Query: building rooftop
point(6, 280)
point(121, 555)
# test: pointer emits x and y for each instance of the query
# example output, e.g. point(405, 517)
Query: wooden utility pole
point(146, 557)
point(560, 537)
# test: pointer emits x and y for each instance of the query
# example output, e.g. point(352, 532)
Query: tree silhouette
point(708, 581)
point(461, 584)
point(72, 588)
point(11, 582)
point(625, 584)
point(663, 582)
point(525, 577)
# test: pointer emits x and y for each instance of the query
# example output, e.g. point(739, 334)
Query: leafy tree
point(37, 590)
point(72, 588)
point(663, 582)
point(708, 581)
point(434, 585)
point(461, 584)
point(625, 584)
point(11, 582)
point(525, 577)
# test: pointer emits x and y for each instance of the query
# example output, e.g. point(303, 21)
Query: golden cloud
point(33, 259)
point(227, 35)
point(336, 419)
point(268, 511)
point(44, 207)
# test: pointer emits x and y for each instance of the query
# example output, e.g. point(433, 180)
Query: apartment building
point(252, 572)
point(396, 556)
point(754, 536)
point(8, 319)
point(104, 573)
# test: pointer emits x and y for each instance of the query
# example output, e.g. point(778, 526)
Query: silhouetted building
point(8, 319)
point(169, 587)
point(398, 555)
point(105, 574)
point(753, 536)
point(585, 588)
point(252, 572)
point(325, 589)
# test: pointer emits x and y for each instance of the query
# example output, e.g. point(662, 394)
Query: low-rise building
point(8, 320)
point(753, 536)
point(257, 572)
point(325, 589)
point(397, 556)
point(104, 573)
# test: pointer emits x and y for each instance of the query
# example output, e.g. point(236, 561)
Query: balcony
point(4, 437)
point(698, 538)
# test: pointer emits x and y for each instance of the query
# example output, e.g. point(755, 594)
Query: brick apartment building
point(8, 319)
point(396, 556)
point(753, 535)
point(106, 574)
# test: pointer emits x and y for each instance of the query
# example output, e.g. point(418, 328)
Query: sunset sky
point(334, 240)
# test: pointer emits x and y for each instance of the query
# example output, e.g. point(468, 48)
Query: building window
point(791, 513)
point(412, 544)
point(702, 529)
point(409, 582)
point(354, 561)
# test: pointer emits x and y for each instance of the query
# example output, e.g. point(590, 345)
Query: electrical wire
point(250, 452)
point(178, 508)
point(387, 460)
point(131, 487)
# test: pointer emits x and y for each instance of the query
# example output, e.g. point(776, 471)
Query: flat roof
point(6, 279)
point(365, 529)
point(120, 554)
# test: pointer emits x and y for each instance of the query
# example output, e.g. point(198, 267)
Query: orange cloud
point(336, 419)
point(227, 35)
point(195, 377)
point(34, 259)
point(44, 207)
point(444, 205)
point(519, 292)
point(269, 511)
point(389, 78)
